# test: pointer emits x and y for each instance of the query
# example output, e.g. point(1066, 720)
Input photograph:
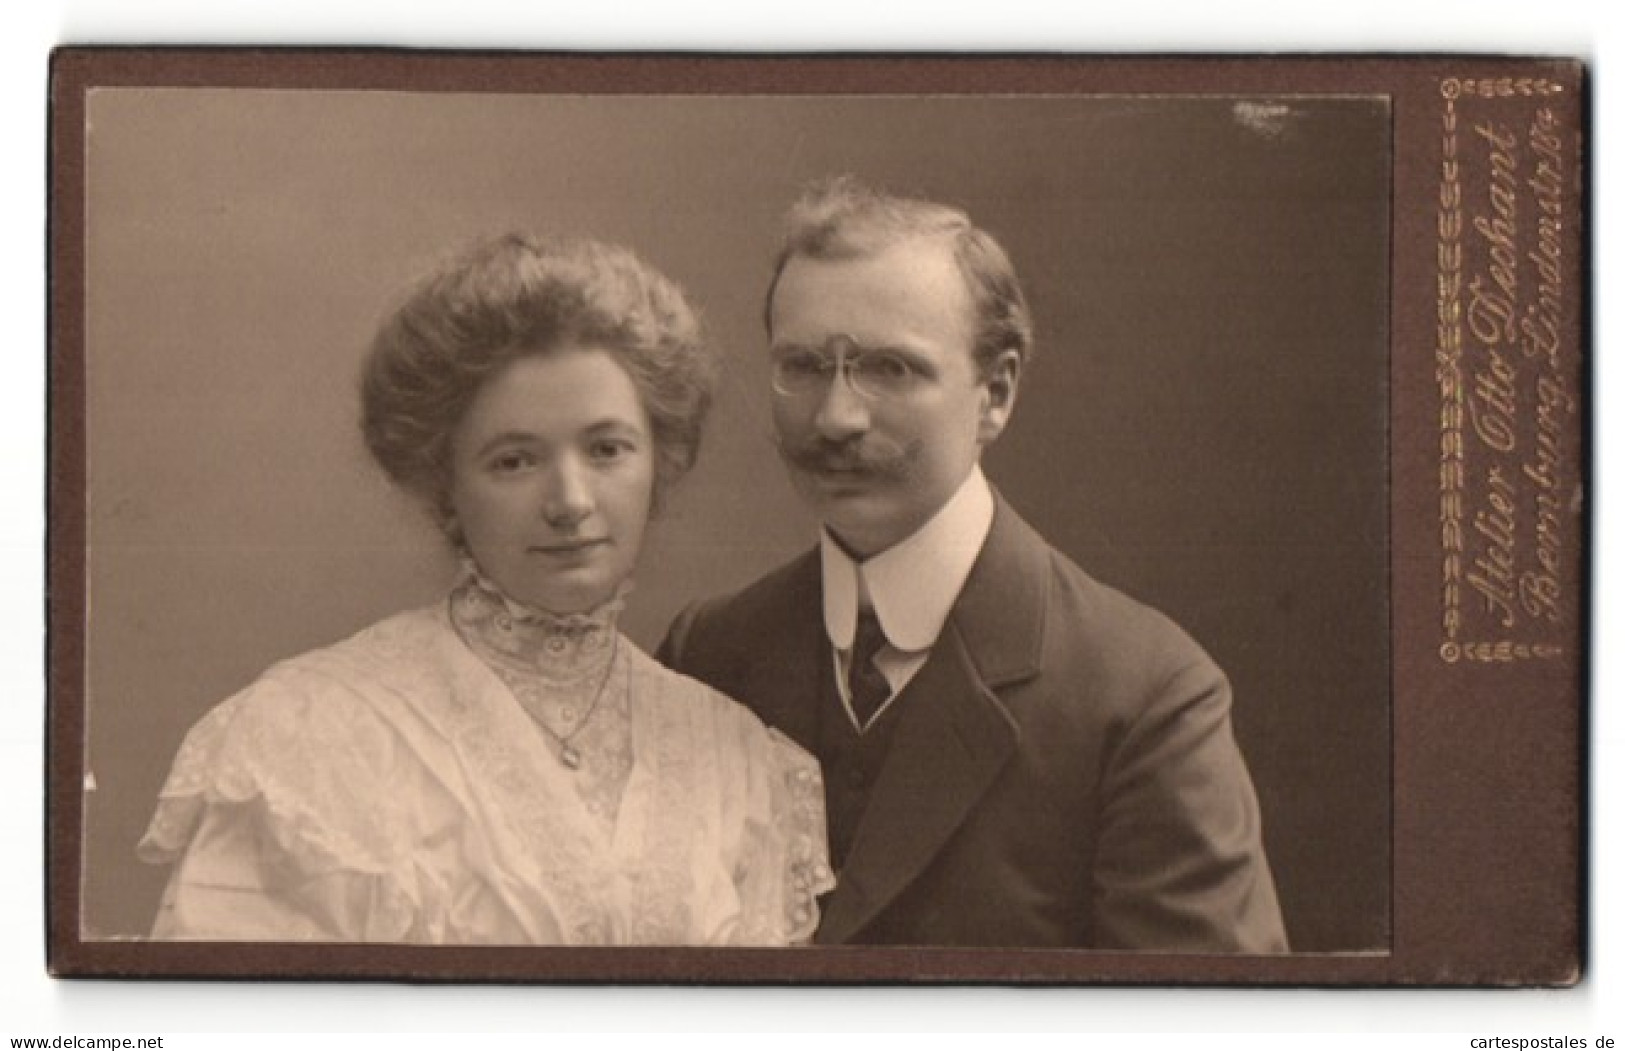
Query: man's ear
point(999, 399)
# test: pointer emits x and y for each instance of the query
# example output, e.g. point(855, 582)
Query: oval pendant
point(569, 756)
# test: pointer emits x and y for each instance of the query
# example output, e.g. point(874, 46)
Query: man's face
point(876, 468)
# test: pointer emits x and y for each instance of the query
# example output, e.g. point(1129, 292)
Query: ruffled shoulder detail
point(297, 749)
point(313, 774)
point(796, 808)
point(765, 858)
point(782, 865)
point(282, 802)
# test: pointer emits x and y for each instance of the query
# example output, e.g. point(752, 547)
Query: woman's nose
point(569, 496)
point(843, 412)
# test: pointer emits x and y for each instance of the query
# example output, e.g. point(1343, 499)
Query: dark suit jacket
point(1062, 772)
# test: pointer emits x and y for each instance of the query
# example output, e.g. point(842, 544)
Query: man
point(1014, 754)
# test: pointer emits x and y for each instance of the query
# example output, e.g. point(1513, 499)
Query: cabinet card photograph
point(705, 520)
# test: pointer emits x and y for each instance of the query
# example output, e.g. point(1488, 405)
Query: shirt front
point(912, 587)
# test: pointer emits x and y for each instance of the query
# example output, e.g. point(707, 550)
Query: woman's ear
point(445, 518)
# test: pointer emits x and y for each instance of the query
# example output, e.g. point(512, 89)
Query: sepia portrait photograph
point(930, 534)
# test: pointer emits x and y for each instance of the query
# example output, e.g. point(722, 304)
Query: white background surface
point(31, 1004)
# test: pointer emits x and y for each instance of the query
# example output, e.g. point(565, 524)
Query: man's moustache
point(867, 457)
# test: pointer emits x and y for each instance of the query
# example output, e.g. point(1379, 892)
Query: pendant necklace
point(569, 756)
point(487, 623)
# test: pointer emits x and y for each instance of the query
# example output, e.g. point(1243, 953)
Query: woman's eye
point(511, 462)
point(608, 451)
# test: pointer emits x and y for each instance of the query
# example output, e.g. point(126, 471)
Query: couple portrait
point(558, 521)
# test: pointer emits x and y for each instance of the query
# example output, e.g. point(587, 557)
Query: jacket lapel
point(954, 735)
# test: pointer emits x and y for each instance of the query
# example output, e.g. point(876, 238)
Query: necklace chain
point(538, 656)
point(568, 755)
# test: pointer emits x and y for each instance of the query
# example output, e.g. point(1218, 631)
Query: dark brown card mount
point(1326, 317)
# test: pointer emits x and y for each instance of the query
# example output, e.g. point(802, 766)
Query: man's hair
point(517, 296)
point(844, 219)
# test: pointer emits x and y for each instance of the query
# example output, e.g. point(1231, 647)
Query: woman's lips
point(566, 547)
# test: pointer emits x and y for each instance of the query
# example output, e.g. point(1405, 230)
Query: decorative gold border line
point(1447, 370)
point(1447, 373)
point(1499, 87)
point(1503, 651)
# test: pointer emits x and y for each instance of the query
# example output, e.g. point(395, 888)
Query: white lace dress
point(411, 784)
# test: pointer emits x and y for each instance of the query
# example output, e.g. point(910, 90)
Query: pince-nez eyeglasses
point(872, 372)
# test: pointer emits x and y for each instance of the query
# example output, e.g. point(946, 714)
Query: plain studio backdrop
point(1203, 424)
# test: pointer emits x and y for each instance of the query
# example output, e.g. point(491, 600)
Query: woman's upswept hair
point(516, 296)
point(842, 218)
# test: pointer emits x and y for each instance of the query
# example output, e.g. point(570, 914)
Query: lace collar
point(561, 647)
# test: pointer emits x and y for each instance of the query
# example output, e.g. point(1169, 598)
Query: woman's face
point(552, 476)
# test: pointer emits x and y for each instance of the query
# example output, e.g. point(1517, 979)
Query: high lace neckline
point(562, 670)
point(560, 648)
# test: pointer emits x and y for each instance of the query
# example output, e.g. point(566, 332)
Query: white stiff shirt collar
point(913, 584)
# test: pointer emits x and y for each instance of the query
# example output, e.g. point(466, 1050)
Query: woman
point(504, 766)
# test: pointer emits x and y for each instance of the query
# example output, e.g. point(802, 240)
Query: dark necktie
point(868, 687)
